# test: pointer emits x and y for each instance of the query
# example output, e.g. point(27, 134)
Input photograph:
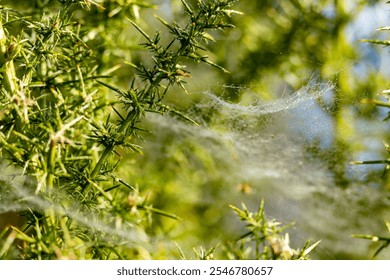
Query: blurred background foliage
point(277, 47)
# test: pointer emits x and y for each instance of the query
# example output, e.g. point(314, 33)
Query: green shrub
point(63, 130)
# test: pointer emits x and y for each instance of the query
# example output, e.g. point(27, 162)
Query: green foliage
point(384, 102)
point(55, 129)
point(266, 235)
point(382, 241)
point(263, 241)
point(77, 98)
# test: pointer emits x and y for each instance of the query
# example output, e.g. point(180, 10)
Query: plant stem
point(107, 151)
point(7, 67)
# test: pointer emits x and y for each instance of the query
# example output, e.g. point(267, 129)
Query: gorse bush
point(54, 124)
point(270, 244)
point(66, 122)
point(105, 155)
